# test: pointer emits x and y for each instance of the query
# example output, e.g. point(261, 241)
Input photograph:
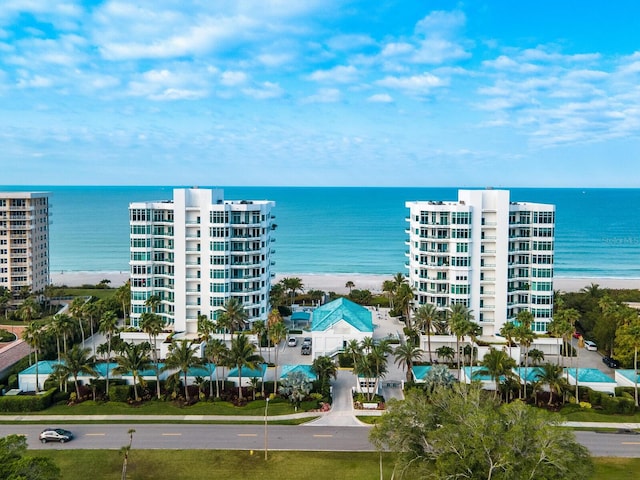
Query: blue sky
point(320, 92)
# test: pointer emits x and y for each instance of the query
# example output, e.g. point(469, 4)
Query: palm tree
point(367, 344)
point(405, 355)
point(205, 327)
point(236, 314)
point(404, 301)
point(5, 298)
point(153, 303)
point(28, 310)
point(551, 375)
point(629, 336)
point(350, 285)
point(76, 361)
point(524, 336)
point(242, 355)
point(324, 369)
point(277, 295)
point(33, 336)
point(55, 328)
point(292, 285)
point(259, 329)
point(277, 333)
point(460, 321)
point(508, 331)
point(109, 327)
point(446, 352)
point(216, 352)
point(182, 357)
point(92, 311)
point(424, 318)
point(152, 324)
point(389, 287)
point(134, 358)
point(567, 318)
point(77, 311)
point(353, 349)
point(123, 295)
point(497, 364)
point(536, 356)
point(65, 327)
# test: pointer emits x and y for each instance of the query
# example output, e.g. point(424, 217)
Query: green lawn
point(232, 465)
point(256, 408)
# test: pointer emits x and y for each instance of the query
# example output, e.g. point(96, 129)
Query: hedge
point(119, 393)
point(27, 403)
point(618, 405)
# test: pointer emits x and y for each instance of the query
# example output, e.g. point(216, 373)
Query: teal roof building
point(342, 309)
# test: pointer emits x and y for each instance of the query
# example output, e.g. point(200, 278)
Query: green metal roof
point(328, 315)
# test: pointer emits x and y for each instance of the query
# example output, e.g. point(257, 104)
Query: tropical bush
point(119, 393)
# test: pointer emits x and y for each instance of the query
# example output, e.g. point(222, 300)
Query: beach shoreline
point(336, 282)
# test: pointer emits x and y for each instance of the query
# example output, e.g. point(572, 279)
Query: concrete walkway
point(342, 413)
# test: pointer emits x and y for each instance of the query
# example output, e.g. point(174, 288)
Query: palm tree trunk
point(75, 380)
point(635, 366)
point(36, 355)
point(429, 342)
point(186, 390)
point(81, 331)
point(135, 387)
point(240, 382)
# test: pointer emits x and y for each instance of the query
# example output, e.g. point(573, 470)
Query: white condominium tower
point(24, 241)
point(198, 250)
point(486, 252)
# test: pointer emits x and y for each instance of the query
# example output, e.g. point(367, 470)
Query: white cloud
point(397, 48)
point(416, 84)
point(350, 42)
point(325, 95)
point(231, 79)
point(441, 23)
point(380, 98)
point(337, 74)
point(264, 91)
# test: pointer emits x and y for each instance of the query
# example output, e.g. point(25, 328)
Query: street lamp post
point(266, 411)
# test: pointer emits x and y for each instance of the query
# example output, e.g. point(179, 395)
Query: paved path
point(342, 413)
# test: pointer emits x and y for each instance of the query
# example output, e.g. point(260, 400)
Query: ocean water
point(347, 229)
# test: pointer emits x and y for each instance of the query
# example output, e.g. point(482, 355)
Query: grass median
point(242, 464)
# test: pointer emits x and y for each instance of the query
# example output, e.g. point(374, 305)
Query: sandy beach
point(336, 282)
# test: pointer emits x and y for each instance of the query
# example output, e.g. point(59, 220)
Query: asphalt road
point(251, 437)
point(209, 437)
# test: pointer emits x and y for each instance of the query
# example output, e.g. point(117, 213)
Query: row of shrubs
point(623, 402)
point(27, 403)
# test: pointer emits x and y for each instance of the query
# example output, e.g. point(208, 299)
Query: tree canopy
point(14, 465)
point(462, 432)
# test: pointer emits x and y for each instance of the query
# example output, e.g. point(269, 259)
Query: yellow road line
point(95, 434)
point(171, 434)
point(630, 443)
point(323, 436)
point(247, 434)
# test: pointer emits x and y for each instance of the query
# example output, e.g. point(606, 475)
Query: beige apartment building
point(24, 241)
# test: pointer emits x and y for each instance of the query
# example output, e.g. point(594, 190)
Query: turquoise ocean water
point(347, 230)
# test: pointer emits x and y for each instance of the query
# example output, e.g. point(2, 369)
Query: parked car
point(306, 341)
point(55, 435)
point(610, 362)
point(293, 342)
point(576, 334)
point(306, 349)
point(589, 345)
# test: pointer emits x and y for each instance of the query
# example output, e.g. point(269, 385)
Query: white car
point(292, 342)
point(589, 345)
